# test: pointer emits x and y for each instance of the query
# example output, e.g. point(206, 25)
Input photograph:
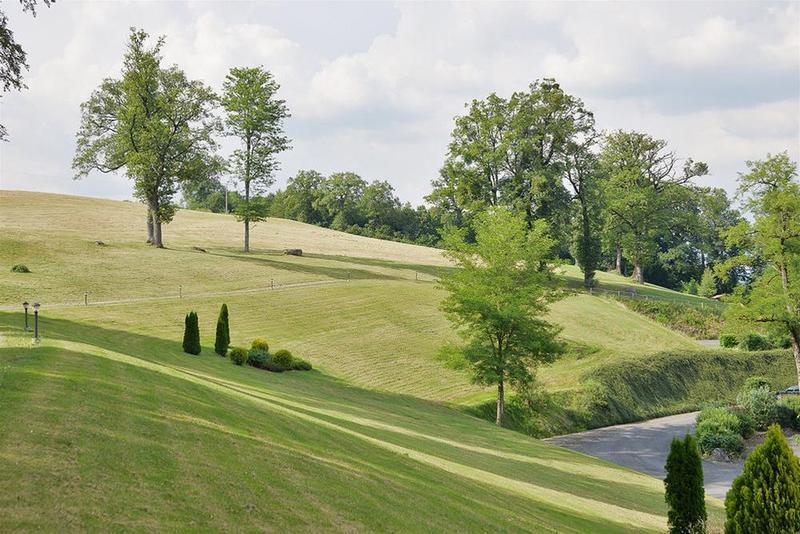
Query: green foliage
point(238, 355)
point(719, 428)
point(708, 284)
point(498, 296)
point(760, 404)
point(223, 335)
point(684, 488)
point(191, 334)
point(789, 411)
point(257, 358)
point(646, 193)
point(747, 425)
point(753, 341)
point(282, 359)
point(260, 343)
point(690, 287)
point(699, 323)
point(772, 301)
point(765, 498)
point(155, 123)
point(756, 382)
point(298, 364)
point(20, 268)
point(728, 341)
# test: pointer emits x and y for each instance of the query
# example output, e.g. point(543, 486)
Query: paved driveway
point(644, 447)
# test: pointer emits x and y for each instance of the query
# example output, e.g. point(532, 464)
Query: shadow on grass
point(286, 264)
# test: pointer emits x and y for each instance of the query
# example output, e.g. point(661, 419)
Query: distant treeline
point(342, 201)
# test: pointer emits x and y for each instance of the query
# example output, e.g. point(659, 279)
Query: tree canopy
point(498, 296)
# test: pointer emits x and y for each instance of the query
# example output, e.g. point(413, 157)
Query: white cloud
point(374, 88)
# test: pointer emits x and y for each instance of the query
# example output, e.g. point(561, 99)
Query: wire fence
point(632, 293)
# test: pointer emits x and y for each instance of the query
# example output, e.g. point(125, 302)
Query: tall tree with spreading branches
point(254, 115)
point(153, 122)
point(645, 191)
point(499, 295)
point(772, 195)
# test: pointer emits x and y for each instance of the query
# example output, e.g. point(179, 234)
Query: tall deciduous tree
point(13, 59)
point(772, 194)
point(584, 177)
point(254, 115)
point(645, 192)
point(156, 124)
point(498, 295)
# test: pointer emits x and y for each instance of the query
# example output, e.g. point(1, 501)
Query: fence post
point(272, 283)
point(85, 299)
point(180, 292)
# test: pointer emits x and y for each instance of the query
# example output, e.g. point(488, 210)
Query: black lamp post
point(35, 321)
point(25, 305)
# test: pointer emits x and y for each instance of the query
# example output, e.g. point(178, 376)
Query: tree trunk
point(795, 335)
point(246, 235)
point(638, 274)
point(155, 222)
point(501, 403)
point(619, 260)
point(149, 226)
point(247, 214)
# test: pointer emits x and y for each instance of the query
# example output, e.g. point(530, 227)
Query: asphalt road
point(644, 447)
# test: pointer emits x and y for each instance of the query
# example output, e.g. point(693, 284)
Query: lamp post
point(35, 322)
point(25, 305)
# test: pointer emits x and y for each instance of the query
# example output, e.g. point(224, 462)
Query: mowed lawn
point(371, 318)
point(108, 429)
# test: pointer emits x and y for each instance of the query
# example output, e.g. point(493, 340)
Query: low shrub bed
point(20, 268)
point(281, 360)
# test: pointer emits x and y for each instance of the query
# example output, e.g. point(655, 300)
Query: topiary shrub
point(257, 358)
point(760, 404)
point(237, 355)
point(260, 343)
point(283, 359)
point(765, 498)
point(223, 335)
point(299, 364)
point(684, 488)
point(756, 382)
point(728, 341)
point(20, 268)
point(753, 341)
point(191, 334)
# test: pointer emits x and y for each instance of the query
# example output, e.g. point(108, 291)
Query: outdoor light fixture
point(25, 305)
point(35, 322)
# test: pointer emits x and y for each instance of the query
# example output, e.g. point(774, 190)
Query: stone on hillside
point(293, 251)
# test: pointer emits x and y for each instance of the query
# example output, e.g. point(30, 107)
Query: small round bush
point(301, 365)
point(730, 442)
point(779, 340)
point(747, 425)
point(282, 358)
point(760, 404)
point(728, 341)
point(257, 358)
point(756, 382)
point(753, 341)
point(20, 268)
point(718, 428)
point(238, 355)
point(261, 344)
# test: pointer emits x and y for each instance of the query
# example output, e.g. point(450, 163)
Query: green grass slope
point(107, 429)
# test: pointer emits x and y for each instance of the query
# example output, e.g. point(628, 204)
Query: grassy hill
point(107, 425)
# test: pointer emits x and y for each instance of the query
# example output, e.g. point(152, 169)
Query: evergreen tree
point(765, 498)
point(684, 488)
point(708, 284)
point(191, 334)
point(223, 339)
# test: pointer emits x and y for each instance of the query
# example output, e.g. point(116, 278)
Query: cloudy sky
point(373, 87)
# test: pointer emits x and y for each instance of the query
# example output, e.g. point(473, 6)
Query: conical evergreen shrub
point(684, 488)
point(191, 334)
point(223, 338)
point(765, 498)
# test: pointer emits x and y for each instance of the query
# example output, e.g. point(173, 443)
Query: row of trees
point(162, 128)
point(608, 198)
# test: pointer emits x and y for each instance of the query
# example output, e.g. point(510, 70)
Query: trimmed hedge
point(699, 323)
point(261, 344)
